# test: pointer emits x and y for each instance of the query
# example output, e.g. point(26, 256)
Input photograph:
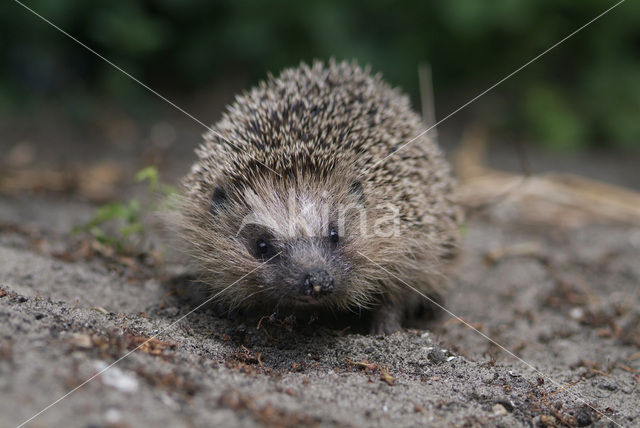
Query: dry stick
point(523, 156)
point(564, 388)
point(427, 100)
point(548, 198)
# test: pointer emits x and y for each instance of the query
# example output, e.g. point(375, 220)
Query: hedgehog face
point(293, 242)
point(300, 242)
point(302, 269)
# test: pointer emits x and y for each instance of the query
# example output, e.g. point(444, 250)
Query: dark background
point(583, 94)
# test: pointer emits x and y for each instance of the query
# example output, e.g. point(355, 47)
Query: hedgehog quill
point(295, 186)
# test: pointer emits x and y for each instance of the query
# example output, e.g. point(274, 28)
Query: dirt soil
point(566, 303)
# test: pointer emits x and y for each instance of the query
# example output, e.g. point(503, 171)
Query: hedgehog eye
point(333, 236)
point(263, 248)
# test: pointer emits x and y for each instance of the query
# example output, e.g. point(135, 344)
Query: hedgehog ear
point(356, 189)
point(218, 199)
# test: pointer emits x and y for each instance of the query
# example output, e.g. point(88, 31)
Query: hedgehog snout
point(317, 282)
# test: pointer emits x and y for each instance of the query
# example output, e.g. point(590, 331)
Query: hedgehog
point(319, 190)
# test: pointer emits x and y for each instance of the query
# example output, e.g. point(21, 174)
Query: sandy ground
point(564, 302)
point(567, 306)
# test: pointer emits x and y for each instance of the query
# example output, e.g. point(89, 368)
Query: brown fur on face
point(303, 158)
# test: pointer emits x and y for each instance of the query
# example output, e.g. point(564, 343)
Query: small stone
point(113, 416)
point(116, 378)
point(577, 313)
point(499, 410)
point(81, 340)
point(544, 421)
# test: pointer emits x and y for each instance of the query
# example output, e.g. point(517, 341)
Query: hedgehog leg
point(385, 319)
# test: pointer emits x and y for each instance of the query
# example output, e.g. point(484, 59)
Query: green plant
point(119, 224)
point(126, 215)
point(150, 174)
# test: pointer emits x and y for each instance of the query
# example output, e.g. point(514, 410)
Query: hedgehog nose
point(317, 282)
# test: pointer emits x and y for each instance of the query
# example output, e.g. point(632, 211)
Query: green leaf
point(107, 212)
point(131, 229)
point(149, 173)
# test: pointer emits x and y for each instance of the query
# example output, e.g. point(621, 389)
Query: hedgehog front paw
point(385, 320)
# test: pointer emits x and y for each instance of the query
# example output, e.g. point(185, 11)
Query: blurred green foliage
point(120, 224)
point(586, 91)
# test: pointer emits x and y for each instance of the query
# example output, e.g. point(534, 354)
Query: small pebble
point(116, 378)
point(81, 340)
point(544, 421)
point(576, 313)
point(112, 416)
point(499, 410)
